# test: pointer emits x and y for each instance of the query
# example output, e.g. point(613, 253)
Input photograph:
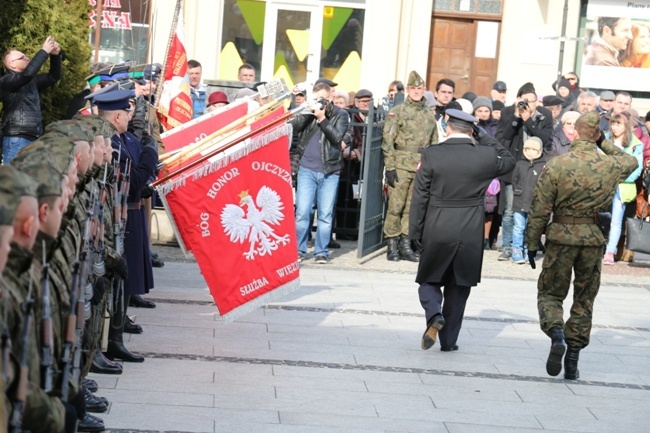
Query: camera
point(318, 104)
point(522, 105)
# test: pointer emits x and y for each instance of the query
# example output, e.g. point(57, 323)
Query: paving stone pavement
point(342, 354)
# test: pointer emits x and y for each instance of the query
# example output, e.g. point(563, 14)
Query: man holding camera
point(21, 122)
point(316, 161)
point(409, 129)
point(518, 122)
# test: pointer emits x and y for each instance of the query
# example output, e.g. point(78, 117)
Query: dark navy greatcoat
point(447, 207)
point(136, 240)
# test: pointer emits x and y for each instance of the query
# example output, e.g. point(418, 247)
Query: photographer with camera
point(316, 161)
point(520, 121)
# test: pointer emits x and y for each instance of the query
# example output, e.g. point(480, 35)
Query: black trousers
point(450, 302)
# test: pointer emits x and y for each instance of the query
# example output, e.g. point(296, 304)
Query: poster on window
point(617, 45)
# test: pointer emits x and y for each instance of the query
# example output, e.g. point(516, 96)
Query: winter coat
point(334, 128)
point(512, 130)
point(489, 125)
point(447, 212)
point(524, 179)
point(559, 144)
point(19, 93)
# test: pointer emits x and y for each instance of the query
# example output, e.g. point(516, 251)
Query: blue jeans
point(11, 146)
point(618, 210)
point(507, 222)
point(519, 231)
point(322, 188)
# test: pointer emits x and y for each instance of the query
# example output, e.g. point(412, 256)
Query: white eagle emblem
point(255, 226)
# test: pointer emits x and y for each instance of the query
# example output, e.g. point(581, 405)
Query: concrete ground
point(342, 354)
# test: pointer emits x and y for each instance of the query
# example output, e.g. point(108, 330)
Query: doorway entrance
point(292, 36)
point(464, 50)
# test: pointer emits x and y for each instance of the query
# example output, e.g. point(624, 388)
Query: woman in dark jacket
point(563, 135)
point(483, 112)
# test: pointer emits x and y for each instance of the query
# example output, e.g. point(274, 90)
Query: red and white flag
point(175, 106)
point(236, 216)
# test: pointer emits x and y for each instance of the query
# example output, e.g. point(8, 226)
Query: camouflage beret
point(101, 125)
point(50, 141)
point(415, 79)
point(590, 119)
point(9, 199)
point(43, 172)
point(20, 183)
point(74, 129)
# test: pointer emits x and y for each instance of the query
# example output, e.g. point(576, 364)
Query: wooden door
point(451, 55)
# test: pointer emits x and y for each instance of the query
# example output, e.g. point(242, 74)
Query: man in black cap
point(446, 222)
point(330, 83)
point(498, 92)
point(553, 103)
point(518, 122)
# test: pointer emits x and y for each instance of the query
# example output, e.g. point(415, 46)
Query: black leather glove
point(391, 178)
point(138, 123)
point(478, 132)
point(122, 269)
point(531, 258)
point(147, 191)
point(98, 291)
point(417, 245)
point(149, 142)
point(600, 140)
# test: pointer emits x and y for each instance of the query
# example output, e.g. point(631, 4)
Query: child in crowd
point(524, 179)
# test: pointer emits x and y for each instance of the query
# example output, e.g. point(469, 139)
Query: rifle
point(99, 267)
point(121, 215)
point(5, 337)
point(20, 398)
point(70, 335)
point(47, 339)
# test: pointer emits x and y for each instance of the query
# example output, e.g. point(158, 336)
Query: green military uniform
point(42, 413)
point(574, 187)
point(409, 128)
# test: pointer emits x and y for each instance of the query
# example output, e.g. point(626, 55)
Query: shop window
point(124, 32)
point(342, 42)
point(242, 37)
point(489, 7)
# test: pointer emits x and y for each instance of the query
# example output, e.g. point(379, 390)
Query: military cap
point(552, 100)
point(459, 117)
point(9, 199)
point(363, 93)
point(73, 129)
point(60, 161)
point(102, 126)
point(415, 80)
point(93, 79)
point(109, 88)
point(326, 81)
point(114, 72)
point(152, 71)
point(21, 183)
point(590, 118)
point(499, 86)
point(115, 100)
point(607, 95)
point(526, 88)
point(136, 73)
point(56, 141)
point(45, 174)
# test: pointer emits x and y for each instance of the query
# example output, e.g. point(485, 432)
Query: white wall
point(523, 56)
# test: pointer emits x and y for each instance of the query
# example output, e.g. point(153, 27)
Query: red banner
point(201, 127)
point(175, 107)
point(236, 215)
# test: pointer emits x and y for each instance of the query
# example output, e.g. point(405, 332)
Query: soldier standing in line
point(574, 187)
point(409, 129)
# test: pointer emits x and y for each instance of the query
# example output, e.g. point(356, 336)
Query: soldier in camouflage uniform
point(409, 128)
point(573, 187)
point(43, 412)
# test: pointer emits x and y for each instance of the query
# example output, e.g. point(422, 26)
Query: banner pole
point(170, 40)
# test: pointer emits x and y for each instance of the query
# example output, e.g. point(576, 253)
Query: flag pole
point(170, 40)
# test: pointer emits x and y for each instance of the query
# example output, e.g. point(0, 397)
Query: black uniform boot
point(405, 250)
point(571, 371)
point(102, 365)
point(116, 348)
point(393, 253)
point(90, 423)
point(558, 346)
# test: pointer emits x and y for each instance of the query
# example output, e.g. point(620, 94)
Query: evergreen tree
point(24, 25)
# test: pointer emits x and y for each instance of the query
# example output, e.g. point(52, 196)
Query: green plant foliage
point(29, 22)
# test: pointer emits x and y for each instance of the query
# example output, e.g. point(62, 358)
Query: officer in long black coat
point(446, 222)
